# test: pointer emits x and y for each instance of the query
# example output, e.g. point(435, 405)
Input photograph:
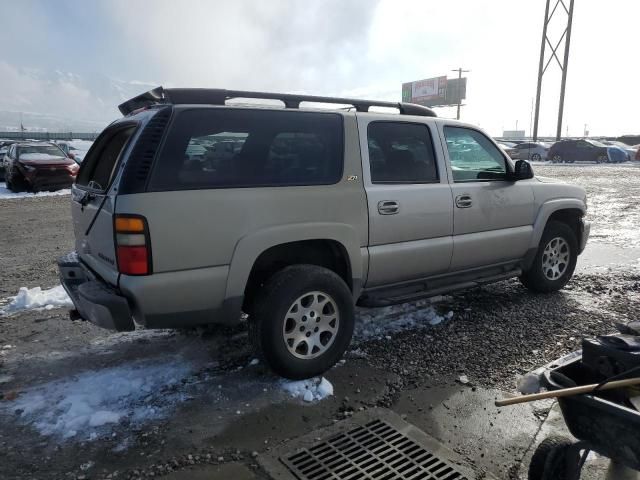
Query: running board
point(379, 299)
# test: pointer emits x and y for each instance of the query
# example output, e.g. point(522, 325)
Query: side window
point(473, 156)
point(233, 148)
point(401, 152)
point(99, 165)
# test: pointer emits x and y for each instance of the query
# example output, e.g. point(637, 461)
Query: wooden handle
point(568, 392)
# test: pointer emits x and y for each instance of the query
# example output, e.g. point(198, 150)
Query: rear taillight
point(133, 248)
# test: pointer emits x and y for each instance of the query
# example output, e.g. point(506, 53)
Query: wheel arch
point(569, 211)
point(260, 254)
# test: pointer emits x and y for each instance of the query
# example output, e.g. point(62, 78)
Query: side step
point(387, 298)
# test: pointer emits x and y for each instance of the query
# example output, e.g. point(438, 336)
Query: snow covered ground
point(89, 405)
point(36, 298)
point(381, 322)
point(6, 193)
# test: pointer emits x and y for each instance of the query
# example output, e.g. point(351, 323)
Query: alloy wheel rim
point(311, 325)
point(555, 258)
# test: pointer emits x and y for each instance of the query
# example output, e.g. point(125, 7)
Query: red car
point(38, 166)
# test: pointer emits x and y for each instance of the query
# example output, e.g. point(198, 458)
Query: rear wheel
point(557, 158)
point(555, 260)
point(302, 321)
point(536, 157)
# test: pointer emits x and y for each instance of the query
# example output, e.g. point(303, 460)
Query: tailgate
point(93, 201)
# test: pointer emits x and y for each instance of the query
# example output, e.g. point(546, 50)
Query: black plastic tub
point(610, 428)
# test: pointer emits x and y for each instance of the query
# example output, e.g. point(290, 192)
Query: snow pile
point(92, 404)
point(379, 322)
point(36, 298)
point(529, 383)
point(6, 193)
point(313, 389)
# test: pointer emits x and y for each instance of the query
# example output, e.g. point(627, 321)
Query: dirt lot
point(207, 403)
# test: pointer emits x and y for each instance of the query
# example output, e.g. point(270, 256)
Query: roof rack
point(216, 96)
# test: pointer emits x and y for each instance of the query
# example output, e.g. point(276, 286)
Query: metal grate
point(376, 450)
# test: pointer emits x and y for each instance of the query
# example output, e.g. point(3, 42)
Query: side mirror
point(522, 170)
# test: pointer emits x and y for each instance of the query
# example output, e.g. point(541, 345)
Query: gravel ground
point(496, 333)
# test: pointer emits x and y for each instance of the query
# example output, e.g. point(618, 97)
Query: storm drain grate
point(376, 450)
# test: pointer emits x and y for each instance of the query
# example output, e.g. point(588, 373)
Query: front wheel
point(557, 158)
point(555, 260)
point(552, 460)
point(303, 320)
point(536, 157)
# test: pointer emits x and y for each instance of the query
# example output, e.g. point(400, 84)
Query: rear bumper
point(94, 300)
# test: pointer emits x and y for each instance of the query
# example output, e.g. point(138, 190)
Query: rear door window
point(401, 152)
point(227, 148)
point(99, 166)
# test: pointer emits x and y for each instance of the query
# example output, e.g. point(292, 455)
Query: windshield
point(39, 152)
point(596, 143)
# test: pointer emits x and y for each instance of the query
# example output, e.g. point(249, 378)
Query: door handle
point(388, 207)
point(464, 201)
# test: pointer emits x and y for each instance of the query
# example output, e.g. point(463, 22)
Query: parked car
point(38, 166)
point(509, 148)
point(4, 148)
point(532, 151)
point(570, 151)
point(629, 150)
point(318, 210)
point(68, 149)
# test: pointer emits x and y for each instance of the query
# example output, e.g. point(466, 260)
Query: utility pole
point(460, 72)
point(542, 67)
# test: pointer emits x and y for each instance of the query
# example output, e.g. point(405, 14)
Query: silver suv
point(190, 210)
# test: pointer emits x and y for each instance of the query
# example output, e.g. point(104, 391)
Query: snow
point(313, 389)
point(529, 383)
point(6, 193)
point(94, 403)
point(36, 298)
point(40, 156)
point(380, 322)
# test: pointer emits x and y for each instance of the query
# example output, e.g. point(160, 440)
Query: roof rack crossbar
point(215, 96)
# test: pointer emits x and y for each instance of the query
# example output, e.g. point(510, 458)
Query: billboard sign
point(437, 91)
point(431, 91)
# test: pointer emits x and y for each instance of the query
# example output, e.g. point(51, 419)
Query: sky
point(74, 61)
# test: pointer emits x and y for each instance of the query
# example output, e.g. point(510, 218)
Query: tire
point(277, 328)
point(555, 260)
point(536, 157)
point(549, 461)
point(602, 159)
point(557, 158)
point(15, 186)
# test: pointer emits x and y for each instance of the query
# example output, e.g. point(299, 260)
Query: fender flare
point(252, 245)
point(549, 208)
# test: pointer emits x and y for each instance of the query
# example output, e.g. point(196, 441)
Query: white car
point(532, 151)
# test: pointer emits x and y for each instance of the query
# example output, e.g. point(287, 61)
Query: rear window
point(224, 148)
point(99, 166)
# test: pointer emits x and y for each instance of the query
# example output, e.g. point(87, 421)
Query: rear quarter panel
point(196, 229)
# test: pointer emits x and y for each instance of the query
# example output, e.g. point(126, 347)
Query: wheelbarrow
point(602, 422)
